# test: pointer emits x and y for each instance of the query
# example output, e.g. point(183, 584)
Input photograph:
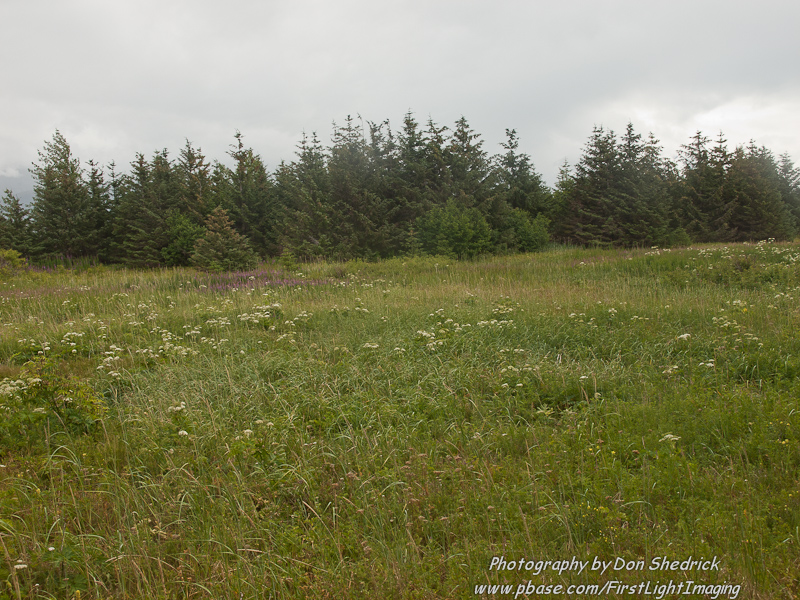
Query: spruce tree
point(15, 225)
point(753, 182)
point(518, 197)
point(149, 195)
point(63, 219)
point(706, 203)
point(593, 195)
point(517, 180)
point(98, 214)
point(470, 172)
point(221, 248)
point(250, 198)
point(789, 187)
point(192, 174)
point(302, 192)
point(642, 194)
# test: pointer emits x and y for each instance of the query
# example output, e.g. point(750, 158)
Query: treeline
point(376, 193)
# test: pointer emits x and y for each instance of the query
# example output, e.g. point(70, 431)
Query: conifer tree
point(642, 192)
point(98, 239)
point(193, 184)
point(360, 213)
point(469, 168)
point(789, 187)
point(590, 206)
point(302, 191)
point(706, 203)
point(753, 183)
point(517, 181)
point(249, 198)
point(15, 225)
point(149, 195)
point(437, 176)
point(221, 248)
point(62, 216)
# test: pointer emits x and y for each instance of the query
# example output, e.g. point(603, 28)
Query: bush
point(531, 234)
point(11, 262)
point(454, 231)
point(43, 401)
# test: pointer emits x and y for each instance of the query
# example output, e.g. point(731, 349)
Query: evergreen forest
point(378, 193)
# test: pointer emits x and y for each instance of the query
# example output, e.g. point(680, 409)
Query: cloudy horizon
point(122, 78)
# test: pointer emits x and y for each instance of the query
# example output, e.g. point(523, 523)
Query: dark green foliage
point(454, 231)
point(517, 181)
point(642, 191)
point(375, 193)
point(98, 212)
point(247, 192)
point(15, 225)
point(789, 187)
point(530, 234)
point(193, 184)
point(182, 234)
point(760, 212)
point(470, 172)
point(591, 202)
point(302, 189)
point(739, 196)
point(706, 202)
point(147, 197)
point(620, 194)
point(221, 248)
point(63, 216)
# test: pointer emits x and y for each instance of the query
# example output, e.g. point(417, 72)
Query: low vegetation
point(386, 429)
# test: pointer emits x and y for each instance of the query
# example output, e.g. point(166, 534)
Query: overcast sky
point(120, 77)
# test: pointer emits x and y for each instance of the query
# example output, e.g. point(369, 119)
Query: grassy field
point(405, 429)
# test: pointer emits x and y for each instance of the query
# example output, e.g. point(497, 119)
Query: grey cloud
point(117, 78)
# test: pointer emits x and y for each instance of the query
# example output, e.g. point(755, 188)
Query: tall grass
point(384, 429)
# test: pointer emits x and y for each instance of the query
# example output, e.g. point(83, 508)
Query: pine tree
point(789, 187)
point(250, 198)
point(706, 203)
point(517, 180)
point(98, 238)
point(302, 193)
point(518, 197)
point(192, 174)
point(437, 177)
point(15, 225)
point(559, 212)
point(642, 194)
point(149, 195)
point(221, 248)
point(63, 220)
point(470, 172)
point(594, 193)
point(360, 214)
point(753, 183)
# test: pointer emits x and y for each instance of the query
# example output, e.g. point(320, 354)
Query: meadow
point(386, 430)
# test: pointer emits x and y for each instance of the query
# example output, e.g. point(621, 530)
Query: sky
point(117, 78)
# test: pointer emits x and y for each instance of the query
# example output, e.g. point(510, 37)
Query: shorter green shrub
point(11, 262)
point(43, 402)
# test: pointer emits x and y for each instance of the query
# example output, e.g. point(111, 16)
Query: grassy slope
point(389, 428)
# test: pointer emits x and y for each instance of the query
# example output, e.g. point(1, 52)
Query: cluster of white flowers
point(220, 322)
point(494, 323)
